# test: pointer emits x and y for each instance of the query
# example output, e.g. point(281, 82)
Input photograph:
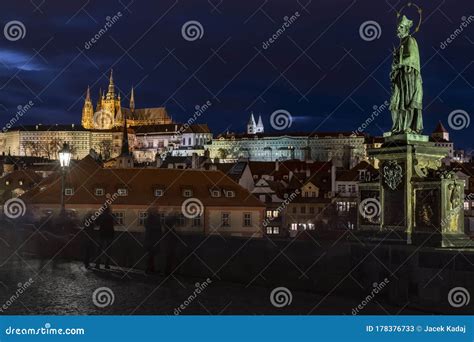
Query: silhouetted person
point(87, 238)
point(106, 235)
point(153, 234)
point(170, 243)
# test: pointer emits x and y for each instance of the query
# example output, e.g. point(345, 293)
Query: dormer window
point(187, 193)
point(230, 193)
point(99, 191)
point(69, 191)
point(122, 191)
point(215, 193)
point(158, 192)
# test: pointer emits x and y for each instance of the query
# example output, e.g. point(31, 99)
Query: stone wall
point(419, 278)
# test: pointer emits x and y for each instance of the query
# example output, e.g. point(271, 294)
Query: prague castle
point(109, 112)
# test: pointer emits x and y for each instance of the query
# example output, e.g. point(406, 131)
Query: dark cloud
point(333, 85)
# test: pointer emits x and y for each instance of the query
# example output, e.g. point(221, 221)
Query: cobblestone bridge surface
point(66, 288)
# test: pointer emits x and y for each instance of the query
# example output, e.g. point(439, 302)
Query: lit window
point(276, 213)
point(7, 182)
point(68, 191)
point(181, 220)
point(294, 226)
point(197, 221)
point(269, 230)
point(119, 216)
point(122, 192)
point(247, 219)
point(276, 230)
point(269, 213)
point(158, 192)
point(20, 182)
point(230, 193)
point(142, 216)
point(187, 192)
point(225, 220)
point(99, 192)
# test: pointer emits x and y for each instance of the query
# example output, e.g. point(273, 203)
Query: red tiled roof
point(140, 183)
point(440, 128)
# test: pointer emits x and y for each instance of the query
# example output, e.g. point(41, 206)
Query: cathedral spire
point(88, 94)
point(99, 101)
point(111, 92)
point(132, 100)
point(87, 110)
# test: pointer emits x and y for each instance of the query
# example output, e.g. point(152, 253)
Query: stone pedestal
point(417, 203)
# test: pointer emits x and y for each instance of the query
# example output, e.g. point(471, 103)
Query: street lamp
point(64, 161)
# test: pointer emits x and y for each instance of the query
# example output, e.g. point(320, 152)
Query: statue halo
point(420, 14)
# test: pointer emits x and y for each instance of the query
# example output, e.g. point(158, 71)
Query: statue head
point(404, 26)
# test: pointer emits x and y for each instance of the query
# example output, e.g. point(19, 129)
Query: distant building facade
point(344, 149)
point(192, 196)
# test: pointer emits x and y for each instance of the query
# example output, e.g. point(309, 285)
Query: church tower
point(87, 111)
point(125, 159)
point(251, 125)
point(132, 100)
point(99, 101)
point(259, 128)
point(111, 104)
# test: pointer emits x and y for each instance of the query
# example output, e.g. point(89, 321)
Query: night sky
point(320, 70)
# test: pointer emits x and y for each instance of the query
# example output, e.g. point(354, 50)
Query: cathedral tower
point(259, 128)
point(111, 104)
point(251, 125)
point(87, 111)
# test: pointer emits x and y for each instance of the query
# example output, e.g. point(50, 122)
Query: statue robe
point(407, 89)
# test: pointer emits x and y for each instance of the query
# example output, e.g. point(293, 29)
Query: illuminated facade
point(109, 112)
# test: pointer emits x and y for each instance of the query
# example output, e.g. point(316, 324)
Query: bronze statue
point(407, 89)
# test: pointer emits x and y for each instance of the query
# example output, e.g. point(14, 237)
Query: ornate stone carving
point(392, 174)
point(423, 165)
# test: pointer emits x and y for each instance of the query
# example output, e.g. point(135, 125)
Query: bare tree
point(105, 148)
